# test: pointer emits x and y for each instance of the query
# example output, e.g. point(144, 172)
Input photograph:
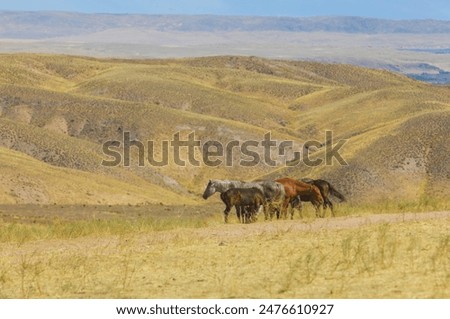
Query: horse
point(221, 186)
point(294, 188)
point(326, 189)
point(272, 191)
point(249, 199)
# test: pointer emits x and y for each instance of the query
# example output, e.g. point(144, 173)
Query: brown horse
point(294, 188)
point(326, 190)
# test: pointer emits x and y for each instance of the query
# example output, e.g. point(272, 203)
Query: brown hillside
point(57, 111)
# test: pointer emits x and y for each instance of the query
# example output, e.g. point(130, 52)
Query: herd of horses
point(274, 196)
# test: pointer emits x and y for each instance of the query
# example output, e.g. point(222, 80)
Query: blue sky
point(390, 9)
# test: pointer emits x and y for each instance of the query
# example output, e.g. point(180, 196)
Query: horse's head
point(209, 190)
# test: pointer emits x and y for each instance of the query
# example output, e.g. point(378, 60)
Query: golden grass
point(422, 204)
point(58, 229)
point(262, 260)
point(73, 224)
point(25, 179)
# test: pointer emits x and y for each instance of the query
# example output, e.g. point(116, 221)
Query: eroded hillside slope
point(57, 111)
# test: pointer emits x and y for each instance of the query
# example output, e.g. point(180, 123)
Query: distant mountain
point(41, 25)
point(440, 78)
point(417, 48)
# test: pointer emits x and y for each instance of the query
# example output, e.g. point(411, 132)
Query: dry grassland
point(72, 228)
point(372, 256)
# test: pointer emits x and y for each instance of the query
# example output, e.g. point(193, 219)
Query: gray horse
point(273, 191)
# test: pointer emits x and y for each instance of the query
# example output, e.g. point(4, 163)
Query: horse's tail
point(335, 193)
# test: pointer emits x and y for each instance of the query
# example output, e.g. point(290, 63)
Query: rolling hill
point(57, 111)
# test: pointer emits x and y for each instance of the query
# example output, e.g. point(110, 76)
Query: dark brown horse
point(246, 200)
point(326, 190)
point(294, 188)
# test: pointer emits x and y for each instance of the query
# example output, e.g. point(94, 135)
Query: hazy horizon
point(397, 10)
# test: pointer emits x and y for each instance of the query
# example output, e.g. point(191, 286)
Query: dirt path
point(233, 231)
point(221, 234)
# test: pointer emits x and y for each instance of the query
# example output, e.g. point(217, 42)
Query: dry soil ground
point(404, 255)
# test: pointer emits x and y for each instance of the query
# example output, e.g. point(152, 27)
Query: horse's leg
point(330, 204)
point(255, 215)
point(253, 212)
point(238, 212)
point(273, 210)
point(226, 212)
point(285, 208)
point(287, 211)
point(318, 207)
point(300, 208)
point(266, 209)
point(292, 210)
point(322, 207)
point(247, 214)
point(257, 211)
point(266, 213)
